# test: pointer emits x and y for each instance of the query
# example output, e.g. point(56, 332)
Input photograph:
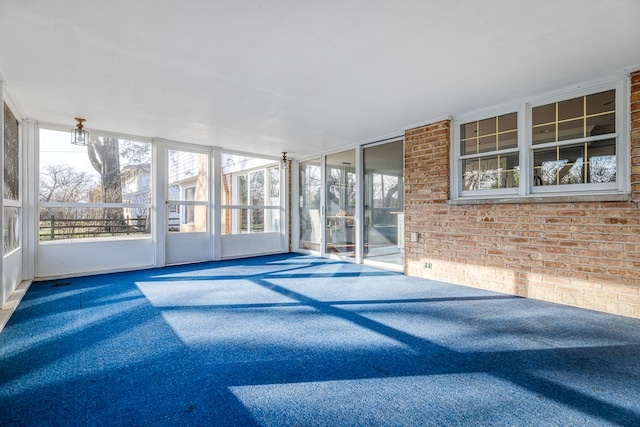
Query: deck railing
point(57, 229)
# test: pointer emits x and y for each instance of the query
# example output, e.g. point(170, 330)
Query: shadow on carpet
point(295, 340)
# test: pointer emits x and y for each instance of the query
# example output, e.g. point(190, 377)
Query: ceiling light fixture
point(79, 136)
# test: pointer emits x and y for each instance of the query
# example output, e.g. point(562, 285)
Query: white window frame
point(527, 192)
point(456, 176)
point(268, 201)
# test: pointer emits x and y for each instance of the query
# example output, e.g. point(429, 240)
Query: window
point(11, 200)
point(250, 195)
point(187, 191)
point(574, 141)
point(489, 153)
point(310, 181)
point(102, 190)
point(564, 145)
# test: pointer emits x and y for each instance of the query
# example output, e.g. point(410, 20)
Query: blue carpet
point(292, 340)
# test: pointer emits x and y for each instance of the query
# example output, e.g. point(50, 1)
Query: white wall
point(86, 256)
point(243, 245)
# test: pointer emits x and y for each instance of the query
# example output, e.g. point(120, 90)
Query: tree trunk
point(104, 154)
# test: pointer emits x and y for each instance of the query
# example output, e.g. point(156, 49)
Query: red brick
point(555, 251)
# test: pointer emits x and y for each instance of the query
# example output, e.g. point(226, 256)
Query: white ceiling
point(298, 75)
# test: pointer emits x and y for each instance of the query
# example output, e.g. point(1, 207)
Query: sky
point(56, 149)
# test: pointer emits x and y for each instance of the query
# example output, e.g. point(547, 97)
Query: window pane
point(508, 122)
point(508, 140)
point(11, 229)
point(602, 102)
point(469, 130)
point(544, 114)
point(487, 127)
point(580, 117)
point(188, 175)
point(543, 134)
point(487, 143)
point(469, 147)
point(257, 220)
point(602, 161)
point(245, 220)
point(490, 173)
point(571, 109)
point(571, 129)
point(182, 218)
point(310, 193)
point(566, 165)
point(11, 155)
point(601, 125)
point(66, 173)
point(243, 190)
point(495, 133)
point(559, 165)
point(78, 223)
point(274, 187)
point(256, 188)
point(243, 223)
point(341, 202)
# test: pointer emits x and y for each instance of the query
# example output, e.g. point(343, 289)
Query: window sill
point(536, 198)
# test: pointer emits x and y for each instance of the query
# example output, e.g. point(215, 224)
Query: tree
point(104, 155)
point(62, 183)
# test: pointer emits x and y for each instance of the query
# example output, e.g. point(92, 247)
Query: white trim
point(358, 222)
point(159, 217)
point(30, 194)
point(273, 207)
point(93, 205)
point(184, 202)
point(489, 153)
point(95, 239)
point(216, 198)
point(295, 206)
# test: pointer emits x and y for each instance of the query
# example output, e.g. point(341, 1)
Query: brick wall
point(581, 254)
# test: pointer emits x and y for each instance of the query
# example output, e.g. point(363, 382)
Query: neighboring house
point(136, 189)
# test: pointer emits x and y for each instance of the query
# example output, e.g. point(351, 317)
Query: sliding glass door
point(310, 205)
point(351, 205)
point(383, 203)
point(340, 202)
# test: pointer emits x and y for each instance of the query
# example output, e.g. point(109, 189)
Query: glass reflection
point(384, 206)
point(341, 203)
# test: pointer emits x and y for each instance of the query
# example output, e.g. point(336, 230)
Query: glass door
point(383, 203)
point(187, 195)
point(340, 202)
point(310, 203)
